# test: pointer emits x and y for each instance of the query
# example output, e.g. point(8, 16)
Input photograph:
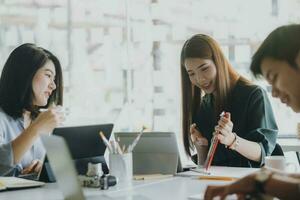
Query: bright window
point(121, 58)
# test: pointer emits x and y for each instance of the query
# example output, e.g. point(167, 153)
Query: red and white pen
point(213, 147)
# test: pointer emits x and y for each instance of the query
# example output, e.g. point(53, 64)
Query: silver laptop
point(62, 165)
point(156, 152)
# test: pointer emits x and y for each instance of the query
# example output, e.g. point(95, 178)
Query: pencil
point(212, 154)
point(217, 178)
point(119, 147)
point(105, 141)
point(135, 141)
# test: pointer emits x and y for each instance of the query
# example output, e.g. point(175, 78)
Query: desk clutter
point(120, 159)
point(95, 178)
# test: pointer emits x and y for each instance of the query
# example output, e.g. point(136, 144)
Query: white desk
point(171, 188)
point(289, 144)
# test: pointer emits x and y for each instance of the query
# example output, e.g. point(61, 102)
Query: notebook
point(12, 183)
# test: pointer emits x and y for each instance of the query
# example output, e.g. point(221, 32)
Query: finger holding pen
point(224, 128)
point(35, 166)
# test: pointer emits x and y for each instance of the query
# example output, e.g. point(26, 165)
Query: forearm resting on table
point(249, 149)
point(283, 187)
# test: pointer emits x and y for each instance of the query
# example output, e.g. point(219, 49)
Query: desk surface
point(170, 188)
point(289, 144)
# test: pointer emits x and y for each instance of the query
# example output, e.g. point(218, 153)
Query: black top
point(252, 118)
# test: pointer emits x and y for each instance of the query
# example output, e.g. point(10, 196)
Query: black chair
point(298, 156)
point(277, 151)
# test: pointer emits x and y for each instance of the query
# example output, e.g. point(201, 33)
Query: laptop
point(84, 141)
point(85, 144)
point(63, 167)
point(155, 152)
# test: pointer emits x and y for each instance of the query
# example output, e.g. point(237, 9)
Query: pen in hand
point(212, 148)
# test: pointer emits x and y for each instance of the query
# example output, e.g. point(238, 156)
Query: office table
point(177, 187)
point(289, 144)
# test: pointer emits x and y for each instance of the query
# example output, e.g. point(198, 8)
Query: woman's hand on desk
point(196, 136)
point(35, 166)
point(242, 187)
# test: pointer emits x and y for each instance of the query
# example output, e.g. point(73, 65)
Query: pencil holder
point(120, 166)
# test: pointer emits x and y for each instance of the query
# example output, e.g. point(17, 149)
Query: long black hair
point(16, 91)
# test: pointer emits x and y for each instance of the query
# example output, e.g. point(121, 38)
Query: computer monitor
point(156, 152)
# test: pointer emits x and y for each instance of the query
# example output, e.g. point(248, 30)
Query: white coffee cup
point(120, 166)
point(279, 163)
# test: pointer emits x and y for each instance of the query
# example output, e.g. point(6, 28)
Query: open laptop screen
point(84, 141)
point(85, 146)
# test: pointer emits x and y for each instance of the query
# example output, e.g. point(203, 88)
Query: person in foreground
point(210, 85)
point(31, 80)
point(278, 61)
